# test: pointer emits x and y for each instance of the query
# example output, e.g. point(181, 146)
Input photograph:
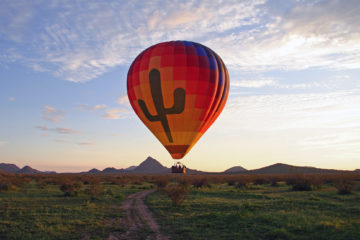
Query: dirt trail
point(137, 219)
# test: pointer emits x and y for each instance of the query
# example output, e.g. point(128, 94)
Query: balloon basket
point(178, 168)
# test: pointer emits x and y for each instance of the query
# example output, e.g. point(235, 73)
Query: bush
point(5, 185)
point(70, 188)
point(231, 182)
point(242, 185)
point(259, 180)
point(300, 183)
point(177, 193)
point(201, 182)
point(94, 189)
point(344, 186)
point(161, 182)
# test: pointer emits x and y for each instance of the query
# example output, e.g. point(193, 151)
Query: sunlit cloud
point(52, 114)
point(60, 130)
point(85, 143)
point(253, 83)
point(343, 140)
point(116, 113)
point(124, 100)
point(99, 107)
point(72, 50)
point(294, 111)
point(11, 99)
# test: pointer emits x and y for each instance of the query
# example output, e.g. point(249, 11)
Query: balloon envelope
point(178, 89)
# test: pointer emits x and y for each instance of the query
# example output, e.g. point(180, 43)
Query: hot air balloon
point(178, 89)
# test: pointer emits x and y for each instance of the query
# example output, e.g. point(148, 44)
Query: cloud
point(11, 99)
point(60, 130)
point(116, 113)
point(264, 112)
point(253, 83)
point(65, 130)
point(51, 114)
point(342, 140)
point(98, 107)
point(2, 143)
point(84, 40)
point(124, 100)
point(85, 143)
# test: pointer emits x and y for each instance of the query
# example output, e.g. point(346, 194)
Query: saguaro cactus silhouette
point(156, 93)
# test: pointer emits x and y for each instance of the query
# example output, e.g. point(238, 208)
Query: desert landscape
point(180, 119)
point(146, 202)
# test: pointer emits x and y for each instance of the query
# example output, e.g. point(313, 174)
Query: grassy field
point(56, 206)
point(260, 212)
point(31, 212)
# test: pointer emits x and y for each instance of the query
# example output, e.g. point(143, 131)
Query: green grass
point(34, 213)
point(260, 212)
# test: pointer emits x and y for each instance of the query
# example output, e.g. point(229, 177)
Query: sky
point(294, 69)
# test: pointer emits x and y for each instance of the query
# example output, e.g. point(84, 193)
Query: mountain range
point(152, 166)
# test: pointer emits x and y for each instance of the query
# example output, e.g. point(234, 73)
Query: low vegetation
point(71, 206)
point(61, 206)
point(264, 207)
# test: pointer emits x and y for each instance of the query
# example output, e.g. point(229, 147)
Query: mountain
point(28, 170)
point(94, 171)
point(236, 169)
point(9, 168)
point(150, 165)
point(280, 168)
point(111, 170)
point(130, 168)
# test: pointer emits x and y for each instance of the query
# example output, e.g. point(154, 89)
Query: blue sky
point(294, 71)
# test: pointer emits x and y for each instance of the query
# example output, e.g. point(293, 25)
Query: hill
point(236, 169)
point(150, 165)
point(28, 170)
point(9, 168)
point(280, 168)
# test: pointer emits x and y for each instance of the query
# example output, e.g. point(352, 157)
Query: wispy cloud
point(124, 100)
point(83, 40)
point(2, 143)
point(11, 99)
point(52, 114)
point(253, 83)
point(99, 107)
point(85, 143)
point(293, 111)
point(60, 130)
point(341, 141)
point(116, 113)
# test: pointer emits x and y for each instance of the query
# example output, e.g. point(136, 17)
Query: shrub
point(201, 182)
point(241, 184)
point(5, 185)
point(344, 185)
point(184, 182)
point(300, 183)
point(161, 182)
point(94, 189)
point(177, 193)
point(41, 183)
point(231, 181)
point(260, 181)
point(70, 188)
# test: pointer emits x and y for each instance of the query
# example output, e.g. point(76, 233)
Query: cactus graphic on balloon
point(156, 93)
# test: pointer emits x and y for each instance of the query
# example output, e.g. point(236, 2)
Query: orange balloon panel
point(178, 89)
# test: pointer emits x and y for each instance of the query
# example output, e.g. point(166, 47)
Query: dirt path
point(138, 220)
